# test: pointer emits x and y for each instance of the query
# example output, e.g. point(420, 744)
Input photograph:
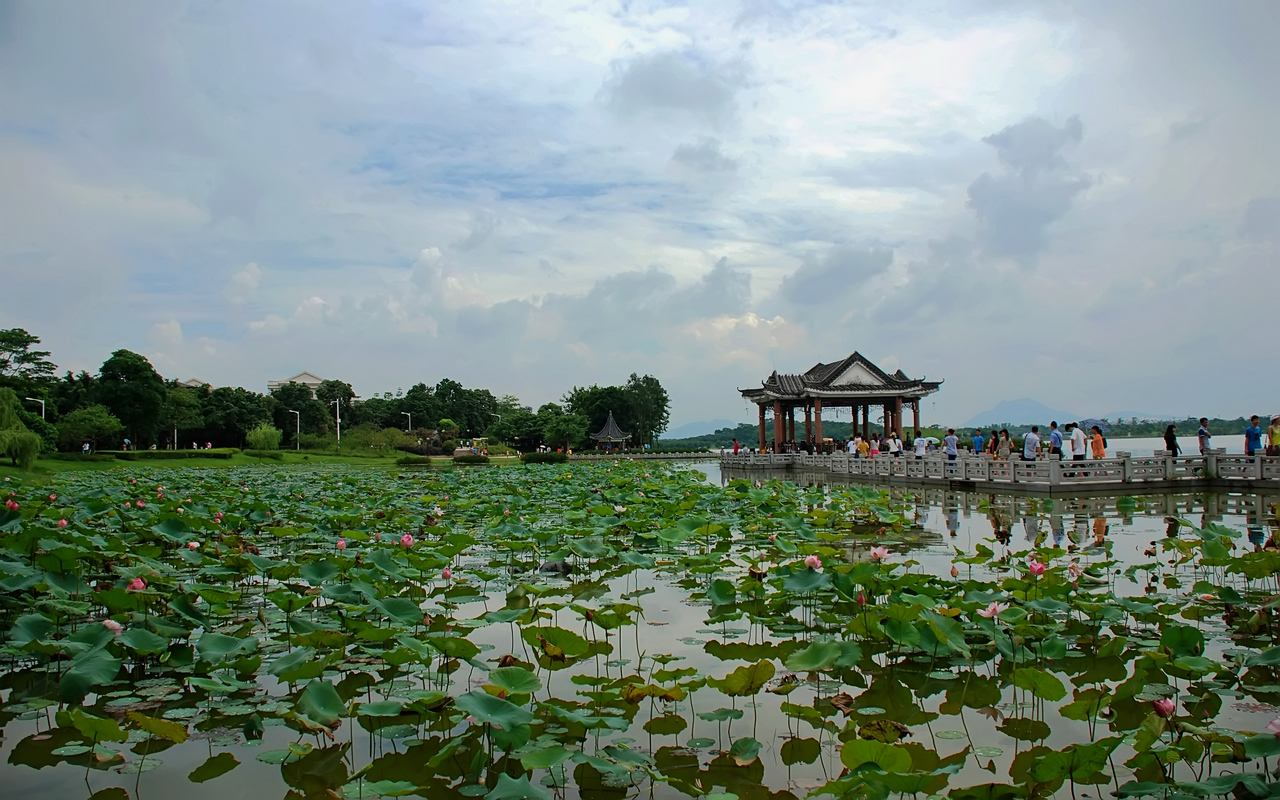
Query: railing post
point(1055, 470)
point(1256, 468)
point(1211, 463)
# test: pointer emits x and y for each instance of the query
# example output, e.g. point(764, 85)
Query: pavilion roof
point(610, 432)
point(853, 376)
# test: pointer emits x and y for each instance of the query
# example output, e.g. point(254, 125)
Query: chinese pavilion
point(610, 434)
point(853, 382)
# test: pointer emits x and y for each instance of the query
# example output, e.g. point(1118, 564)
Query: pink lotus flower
point(1273, 727)
point(993, 610)
point(446, 573)
point(438, 512)
point(1075, 570)
point(506, 512)
point(11, 504)
point(878, 553)
point(955, 571)
point(619, 509)
point(193, 545)
point(814, 563)
point(406, 540)
point(862, 599)
point(342, 544)
point(140, 504)
point(1036, 568)
point(113, 626)
point(62, 523)
point(53, 498)
point(136, 585)
point(1164, 707)
point(1208, 598)
point(773, 537)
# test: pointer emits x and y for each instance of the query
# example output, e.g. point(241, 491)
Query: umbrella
point(931, 439)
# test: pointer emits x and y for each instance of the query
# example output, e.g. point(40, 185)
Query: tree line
point(128, 399)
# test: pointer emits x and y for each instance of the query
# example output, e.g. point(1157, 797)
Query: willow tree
point(19, 444)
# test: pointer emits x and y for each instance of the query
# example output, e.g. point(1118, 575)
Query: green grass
point(46, 467)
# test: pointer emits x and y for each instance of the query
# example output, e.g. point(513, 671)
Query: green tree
point(181, 412)
point(20, 445)
point(563, 430)
point(595, 402)
point(91, 424)
point(329, 391)
point(313, 417)
point(650, 408)
point(263, 437)
point(519, 427)
point(72, 391)
point(22, 367)
point(133, 391)
point(230, 412)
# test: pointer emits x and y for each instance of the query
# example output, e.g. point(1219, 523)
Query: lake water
point(674, 617)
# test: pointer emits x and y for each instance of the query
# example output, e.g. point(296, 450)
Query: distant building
point(195, 383)
point(308, 380)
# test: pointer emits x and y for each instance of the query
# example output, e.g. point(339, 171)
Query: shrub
point(81, 457)
point(470, 459)
point(543, 458)
point(156, 455)
point(263, 437)
point(274, 455)
point(413, 461)
point(317, 441)
point(21, 446)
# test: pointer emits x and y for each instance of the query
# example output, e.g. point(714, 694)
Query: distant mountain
point(1024, 410)
point(690, 429)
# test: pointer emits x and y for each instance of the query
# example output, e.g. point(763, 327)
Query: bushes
point(21, 446)
point(81, 457)
point(543, 458)
point(413, 461)
point(263, 437)
point(470, 459)
point(274, 455)
point(157, 455)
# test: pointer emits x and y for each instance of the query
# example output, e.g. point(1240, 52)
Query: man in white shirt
point(921, 445)
point(852, 447)
point(1031, 444)
point(1079, 442)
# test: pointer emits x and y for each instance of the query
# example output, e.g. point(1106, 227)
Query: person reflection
point(1100, 529)
point(1171, 526)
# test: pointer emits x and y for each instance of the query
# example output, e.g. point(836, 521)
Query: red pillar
point(897, 415)
point(760, 406)
point(778, 430)
point(915, 414)
point(808, 423)
point(817, 420)
point(866, 421)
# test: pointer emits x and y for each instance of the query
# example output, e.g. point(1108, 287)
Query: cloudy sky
point(1076, 202)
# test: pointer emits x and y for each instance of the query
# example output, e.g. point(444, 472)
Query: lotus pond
point(610, 631)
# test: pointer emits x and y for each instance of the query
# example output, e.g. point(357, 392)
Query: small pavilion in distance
point(853, 383)
point(610, 434)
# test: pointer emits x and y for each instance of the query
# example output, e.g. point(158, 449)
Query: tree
point(519, 427)
point(133, 391)
point(563, 430)
point(21, 367)
point(181, 412)
point(231, 412)
point(313, 417)
point(73, 391)
point(89, 424)
point(595, 402)
point(650, 408)
point(263, 437)
point(331, 390)
point(19, 444)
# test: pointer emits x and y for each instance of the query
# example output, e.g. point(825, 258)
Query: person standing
point(951, 443)
point(1079, 442)
point(1171, 441)
point(1031, 443)
point(1253, 437)
point(920, 445)
point(993, 443)
point(978, 442)
point(1273, 436)
point(736, 445)
point(1203, 437)
point(1004, 450)
point(1099, 443)
point(1055, 439)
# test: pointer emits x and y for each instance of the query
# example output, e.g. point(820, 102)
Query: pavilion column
point(760, 406)
point(808, 422)
point(866, 421)
point(897, 415)
point(791, 423)
point(915, 414)
point(817, 420)
point(779, 429)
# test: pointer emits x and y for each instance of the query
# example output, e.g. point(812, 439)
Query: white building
point(195, 383)
point(308, 380)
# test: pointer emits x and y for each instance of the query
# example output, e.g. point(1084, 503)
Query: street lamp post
point(409, 427)
point(297, 429)
point(41, 402)
point(337, 411)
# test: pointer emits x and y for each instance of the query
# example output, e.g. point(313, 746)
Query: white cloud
point(244, 283)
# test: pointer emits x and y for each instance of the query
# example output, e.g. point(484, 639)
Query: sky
point(1075, 202)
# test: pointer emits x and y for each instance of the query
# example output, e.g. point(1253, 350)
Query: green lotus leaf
point(493, 710)
point(515, 680)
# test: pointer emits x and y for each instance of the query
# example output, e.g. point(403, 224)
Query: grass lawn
point(48, 467)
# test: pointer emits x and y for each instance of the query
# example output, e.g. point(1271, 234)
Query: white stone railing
point(1123, 468)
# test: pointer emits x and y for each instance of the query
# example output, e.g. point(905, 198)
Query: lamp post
point(409, 427)
point(297, 429)
point(41, 402)
point(337, 411)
